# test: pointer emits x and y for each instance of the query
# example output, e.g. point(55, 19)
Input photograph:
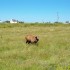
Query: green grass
point(51, 53)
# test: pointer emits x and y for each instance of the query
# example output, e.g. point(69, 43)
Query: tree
point(67, 21)
point(7, 21)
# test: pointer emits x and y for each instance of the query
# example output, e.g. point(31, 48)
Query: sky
point(35, 10)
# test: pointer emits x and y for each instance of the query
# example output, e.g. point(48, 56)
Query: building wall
point(13, 21)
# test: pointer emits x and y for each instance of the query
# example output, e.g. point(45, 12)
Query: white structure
point(13, 21)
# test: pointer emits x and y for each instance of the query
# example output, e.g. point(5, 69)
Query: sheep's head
point(37, 38)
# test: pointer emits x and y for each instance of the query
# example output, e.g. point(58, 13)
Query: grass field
point(51, 53)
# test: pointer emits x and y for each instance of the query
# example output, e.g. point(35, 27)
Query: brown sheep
point(31, 39)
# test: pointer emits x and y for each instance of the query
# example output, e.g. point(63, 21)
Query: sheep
point(31, 39)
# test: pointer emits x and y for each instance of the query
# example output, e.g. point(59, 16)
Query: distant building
point(13, 21)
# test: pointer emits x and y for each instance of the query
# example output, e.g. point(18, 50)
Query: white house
point(13, 21)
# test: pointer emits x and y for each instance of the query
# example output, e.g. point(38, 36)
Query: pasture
point(51, 53)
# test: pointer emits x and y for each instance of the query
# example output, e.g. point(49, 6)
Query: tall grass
point(51, 53)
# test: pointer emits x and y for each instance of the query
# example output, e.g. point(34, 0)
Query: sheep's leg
point(28, 41)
